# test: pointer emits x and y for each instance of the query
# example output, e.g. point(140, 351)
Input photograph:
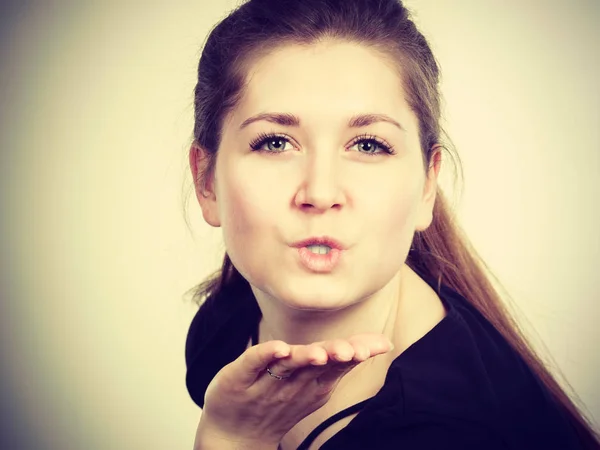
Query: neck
point(375, 314)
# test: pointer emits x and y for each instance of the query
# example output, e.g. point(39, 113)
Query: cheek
point(390, 219)
point(241, 211)
point(393, 207)
point(247, 219)
point(254, 197)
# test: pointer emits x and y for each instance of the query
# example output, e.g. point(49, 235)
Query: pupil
point(274, 142)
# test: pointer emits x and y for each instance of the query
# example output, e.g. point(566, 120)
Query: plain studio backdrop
point(96, 119)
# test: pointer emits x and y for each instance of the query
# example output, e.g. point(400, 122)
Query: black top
point(461, 386)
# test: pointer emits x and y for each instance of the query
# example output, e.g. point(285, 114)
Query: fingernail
point(282, 353)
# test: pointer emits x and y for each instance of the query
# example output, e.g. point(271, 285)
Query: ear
point(206, 193)
point(425, 216)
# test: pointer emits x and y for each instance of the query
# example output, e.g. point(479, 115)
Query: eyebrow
point(361, 120)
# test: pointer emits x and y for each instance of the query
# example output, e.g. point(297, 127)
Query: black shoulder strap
point(338, 416)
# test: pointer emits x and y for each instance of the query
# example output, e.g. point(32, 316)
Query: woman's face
point(319, 179)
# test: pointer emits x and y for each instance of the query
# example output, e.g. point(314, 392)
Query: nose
point(320, 189)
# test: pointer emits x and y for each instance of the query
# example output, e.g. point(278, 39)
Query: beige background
point(96, 115)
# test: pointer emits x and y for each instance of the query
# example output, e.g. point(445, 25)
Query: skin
point(323, 183)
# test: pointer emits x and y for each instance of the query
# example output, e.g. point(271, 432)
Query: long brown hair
point(441, 252)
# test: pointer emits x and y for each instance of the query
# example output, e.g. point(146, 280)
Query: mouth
point(318, 249)
point(319, 258)
point(320, 245)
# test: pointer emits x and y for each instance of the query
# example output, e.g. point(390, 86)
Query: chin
point(318, 297)
point(314, 305)
point(313, 292)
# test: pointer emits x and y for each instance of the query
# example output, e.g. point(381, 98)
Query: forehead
point(322, 82)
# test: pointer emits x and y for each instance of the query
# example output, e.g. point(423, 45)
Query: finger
point(343, 356)
point(300, 356)
point(254, 360)
point(339, 350)
point(376, 344)
point(364, 346)
point(361, 351)
point(341, 359)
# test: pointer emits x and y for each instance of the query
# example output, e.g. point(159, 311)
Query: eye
point(370, 143)
point(274, 143)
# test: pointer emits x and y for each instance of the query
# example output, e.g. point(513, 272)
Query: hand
point(245, 405)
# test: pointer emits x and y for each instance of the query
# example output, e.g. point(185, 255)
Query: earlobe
point(198, 159)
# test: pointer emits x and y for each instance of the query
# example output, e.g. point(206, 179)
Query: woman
point(350, 312)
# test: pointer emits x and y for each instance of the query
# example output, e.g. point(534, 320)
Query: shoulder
point(463, 380)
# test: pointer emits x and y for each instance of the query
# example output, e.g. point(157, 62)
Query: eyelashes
point(267, 138)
